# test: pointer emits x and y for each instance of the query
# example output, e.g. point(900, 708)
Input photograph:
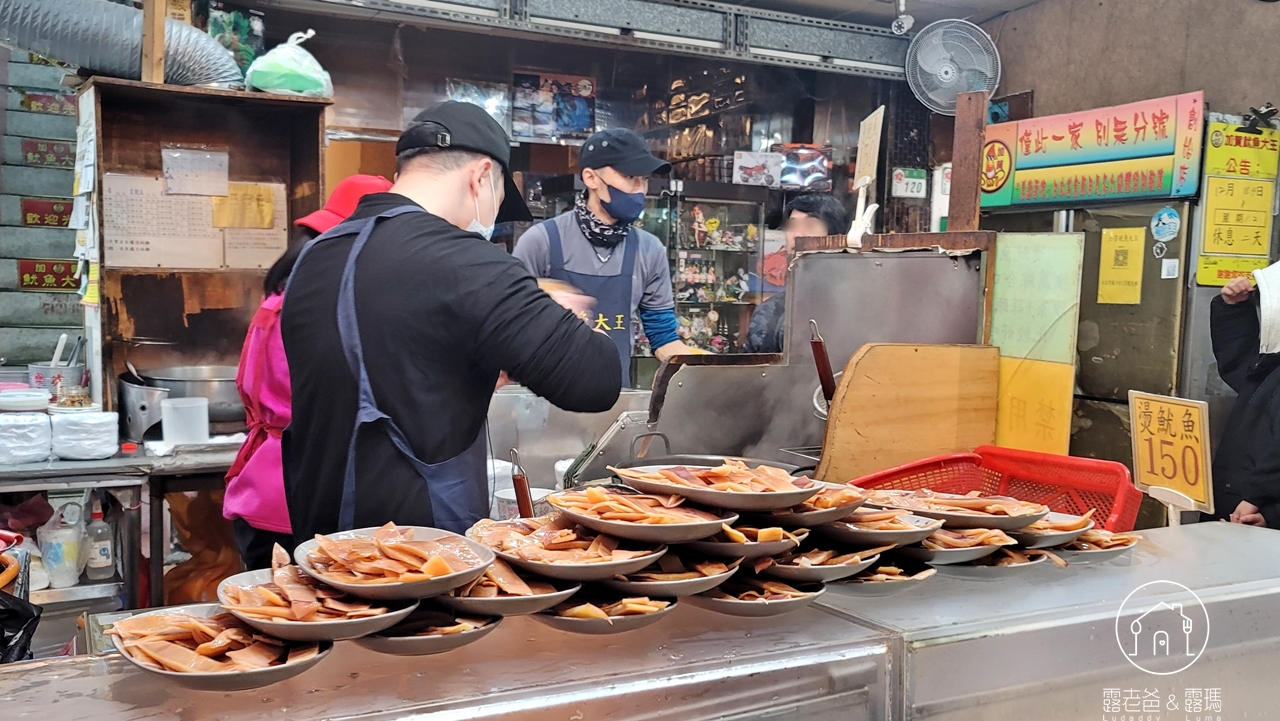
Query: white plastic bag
point(62, 546)
point(287, 69)
point(24, 438)
point(85, 436)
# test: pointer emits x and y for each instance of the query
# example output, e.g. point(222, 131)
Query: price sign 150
point(1171, 446)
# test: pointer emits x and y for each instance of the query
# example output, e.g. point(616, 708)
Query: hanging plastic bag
point(62, 546)
point(287, 69)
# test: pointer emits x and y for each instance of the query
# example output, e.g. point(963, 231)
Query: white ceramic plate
point(650, 532)
point(1046, 539)
point(945, 556)
point(747, 551)
point(872, 589)
point(755, 609)
point(729, 500)
point(971, 520)
point(399, 591)
point(970, 572)
point(315, 630)
point(232, 680)
point(843, 532)
point(668, 589)
point(506, 605)
point(425, 645)
point(817, 574)
point(601, 627)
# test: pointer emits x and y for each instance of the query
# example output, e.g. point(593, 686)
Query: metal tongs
point(823, 362)
point(520, 482)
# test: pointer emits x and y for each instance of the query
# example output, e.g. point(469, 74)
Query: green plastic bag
point(287, 69)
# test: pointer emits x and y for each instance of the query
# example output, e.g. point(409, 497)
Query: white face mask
point(485, 230)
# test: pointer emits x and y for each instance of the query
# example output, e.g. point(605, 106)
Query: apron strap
point(352, 347)
point(555, 247)
point(630, 249)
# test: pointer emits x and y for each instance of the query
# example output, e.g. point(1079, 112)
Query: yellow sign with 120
point(1171, 446)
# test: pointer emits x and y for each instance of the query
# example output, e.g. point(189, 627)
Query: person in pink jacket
point(255, 502)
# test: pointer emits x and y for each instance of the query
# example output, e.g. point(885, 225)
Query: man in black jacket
point(397, 325)
point(1246, 467)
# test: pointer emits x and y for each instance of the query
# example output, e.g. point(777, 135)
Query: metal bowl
point(729, 500)
point(506, 605)
point(755, 609)
point(817, 574)
point(945, 556)
point(425, 645)
point(1046, 539)
point(231, 680)
point(845, 533)
point(747, 551)
point(971, 520)
point(217, 383)
point(970, 572)
point(602, 627)
point(1088, 558)
point(399, 591)
point(650, 532)
point(314, 630)
point(668, 589)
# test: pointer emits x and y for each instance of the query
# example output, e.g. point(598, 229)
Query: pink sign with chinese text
point(1166, 134)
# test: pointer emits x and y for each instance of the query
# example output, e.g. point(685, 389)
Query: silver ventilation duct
point(106, 38)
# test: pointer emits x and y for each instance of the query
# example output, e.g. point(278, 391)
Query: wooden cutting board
point(898, 403)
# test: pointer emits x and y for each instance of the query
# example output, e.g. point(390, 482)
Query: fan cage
point(927, 88)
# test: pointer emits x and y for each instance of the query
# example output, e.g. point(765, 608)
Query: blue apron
point(456, 488)
point(612, 293)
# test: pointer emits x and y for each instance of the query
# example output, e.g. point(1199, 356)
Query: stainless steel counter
point(1043, 645)
point(695, 665)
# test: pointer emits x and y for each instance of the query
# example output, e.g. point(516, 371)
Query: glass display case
point(716, 269)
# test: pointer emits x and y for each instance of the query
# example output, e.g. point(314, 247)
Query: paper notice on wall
point(91, 292)
point(1120, 266)
point(246, 205)
point(86, 167)
point(255, 248)
point(144, 227)
point(189, 171)
point(79, 219)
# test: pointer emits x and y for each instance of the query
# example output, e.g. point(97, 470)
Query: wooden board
point(898, 403)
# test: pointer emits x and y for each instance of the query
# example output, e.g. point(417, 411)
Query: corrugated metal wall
point(38, 126)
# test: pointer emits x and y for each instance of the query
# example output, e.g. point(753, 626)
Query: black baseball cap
point(622, 150)
point(464, 126)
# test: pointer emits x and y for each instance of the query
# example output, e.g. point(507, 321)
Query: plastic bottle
point(102, 559)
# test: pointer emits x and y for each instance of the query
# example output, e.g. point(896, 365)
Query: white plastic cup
point(185, 421)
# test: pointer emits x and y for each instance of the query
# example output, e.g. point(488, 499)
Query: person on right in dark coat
point(1246, 466)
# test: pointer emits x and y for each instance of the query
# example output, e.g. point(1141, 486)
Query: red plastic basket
point(1065, 484)
point(958, 473)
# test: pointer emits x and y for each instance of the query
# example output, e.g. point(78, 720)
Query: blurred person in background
point(254, 501)
point(808, 215)
point(1244, 322)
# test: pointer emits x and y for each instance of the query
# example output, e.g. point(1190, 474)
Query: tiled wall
point(38, 126)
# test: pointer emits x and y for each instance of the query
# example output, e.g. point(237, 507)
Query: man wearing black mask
point(597, 248)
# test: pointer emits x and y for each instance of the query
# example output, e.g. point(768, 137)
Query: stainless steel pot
point(217, 383)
